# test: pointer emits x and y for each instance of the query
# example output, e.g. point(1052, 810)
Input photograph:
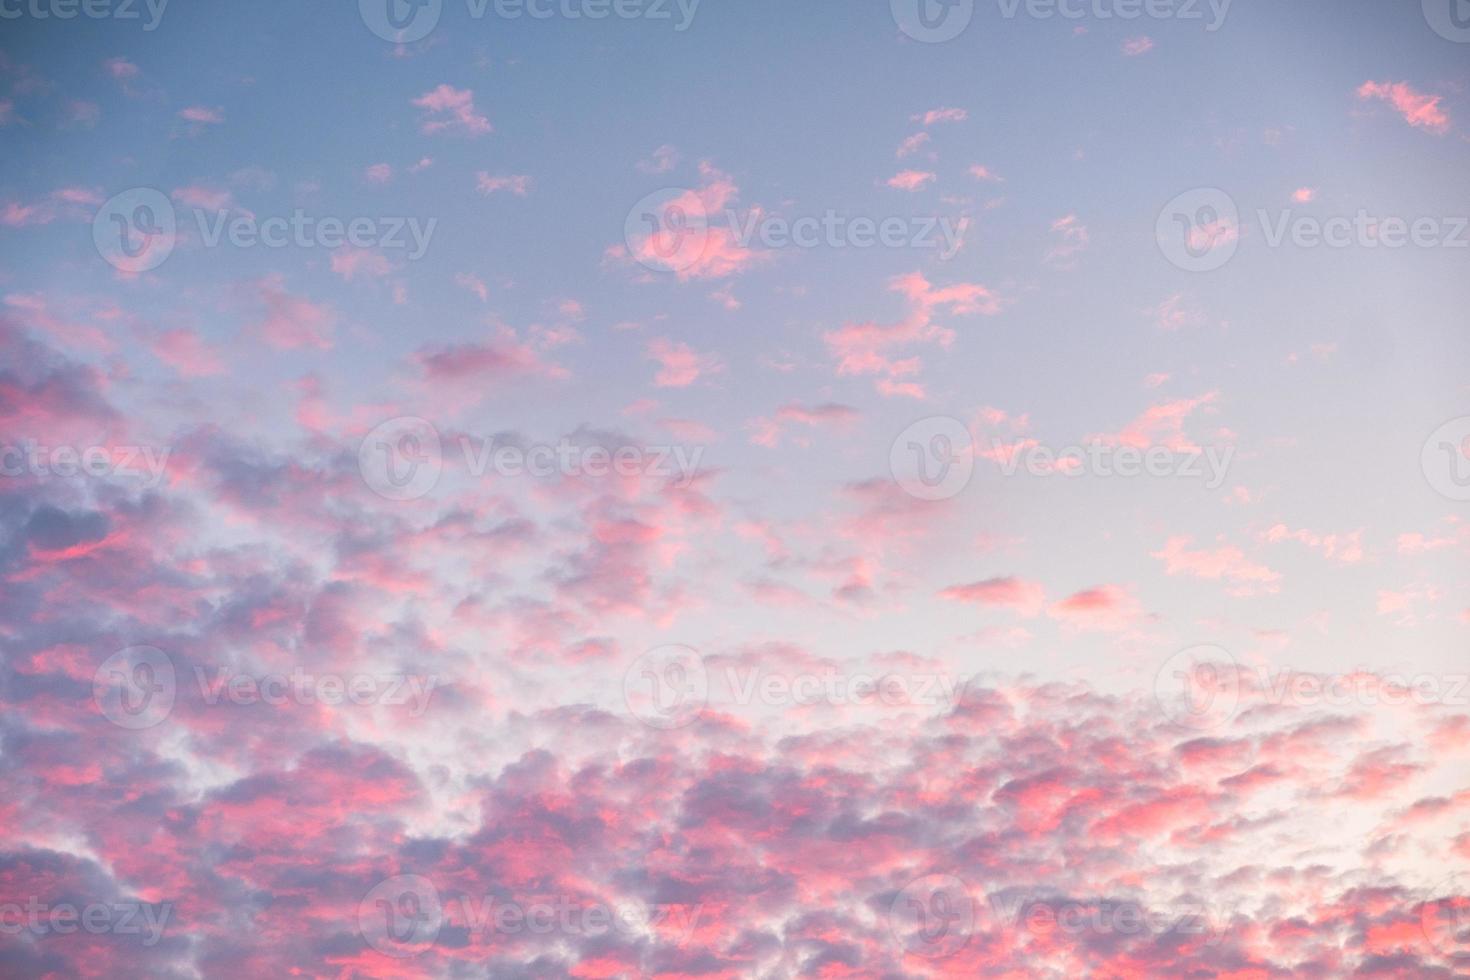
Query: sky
point(657, 488)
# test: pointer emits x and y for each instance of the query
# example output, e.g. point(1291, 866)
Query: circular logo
point(667, 687)
point(1199, 230)
point(401, 916)
point(1445, 918)
point(934, 458)
point(136, 230)
point(1199, 687)
point(400, 21)
point(668, 231)
point(401, 459)
point(135, 688)
point(1446, 459)
point(932, 21)
point(933, 916)
point(1450, 19)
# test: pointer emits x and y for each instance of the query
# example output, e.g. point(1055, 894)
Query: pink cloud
point(451, 110)
point(203, 115)
point(378, 173)
point(1135, 46)
point(1225, 563)
point(1418, 109)
point(487, 184)
point(291, 322)
point(910, 180)
point(946, 115)
point(679, 364)
point(1023, 597)
point(187, 353)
